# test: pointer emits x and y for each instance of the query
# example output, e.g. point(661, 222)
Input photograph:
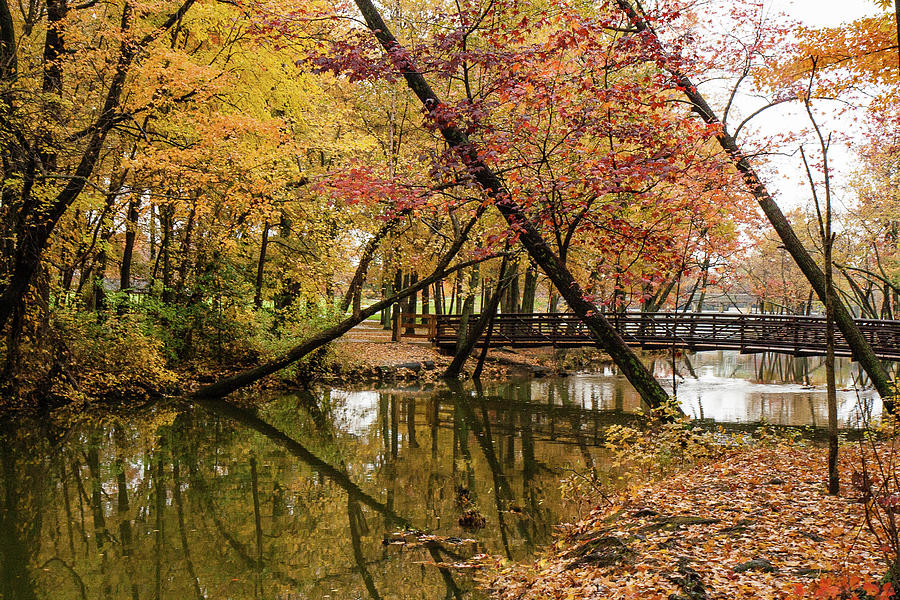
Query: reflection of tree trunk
point(82, 497)
point(279, 438)
point(461, 439)
point(67, 504)
point(100, 533)
point(257, 521)
point(411, 422)
point(529, 464)
point(353, 511)
point(357, 523)
point(575, 424)
point(433, 407)
point(482, 430)
point(159, 488)
point(15, 550)
point(125, 524)
point(182, 530)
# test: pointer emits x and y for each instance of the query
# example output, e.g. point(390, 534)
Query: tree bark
point(396, 309)
point(529, 289)
point(834, 486)
point(354, 290)
point(411, 302)
point(131, 226)
point(603, 332)
point(166, 224)
point(8, 56)
point(261, 266)
point(468, 308)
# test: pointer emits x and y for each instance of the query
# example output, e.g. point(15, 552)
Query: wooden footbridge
point(747, 333)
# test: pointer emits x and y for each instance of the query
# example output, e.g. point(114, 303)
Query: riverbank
point(356, 362)
point(756, 524)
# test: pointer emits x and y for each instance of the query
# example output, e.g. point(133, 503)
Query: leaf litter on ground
point(755, 524)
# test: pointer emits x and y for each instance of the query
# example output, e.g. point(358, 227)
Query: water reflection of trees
point(216, 501)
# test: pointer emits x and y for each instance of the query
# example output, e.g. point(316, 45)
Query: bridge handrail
point(798, 333)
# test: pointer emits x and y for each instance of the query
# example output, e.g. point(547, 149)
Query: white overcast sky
point(825, 13)
point(785, 175)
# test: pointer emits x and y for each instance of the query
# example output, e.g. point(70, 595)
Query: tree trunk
point(411, 301)
point(261, 266)
point(184, 266)
point(8, 57)
point(487, 312)
point(386, 290)
point(438, 297)
point(98, 290)
point(529, 289)
point(166, 222)
point(510, 301)
point(834, 487)
point(131, 226)
point(426, 300)
point(468, 307)
point(395, 310)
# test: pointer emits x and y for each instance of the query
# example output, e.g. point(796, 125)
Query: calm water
point(296, 498)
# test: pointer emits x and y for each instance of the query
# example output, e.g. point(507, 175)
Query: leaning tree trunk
point(860, 348)
point(602, 331)
point(464, 349)
point(317, 340)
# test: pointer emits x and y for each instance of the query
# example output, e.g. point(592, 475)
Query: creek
point(309, 495)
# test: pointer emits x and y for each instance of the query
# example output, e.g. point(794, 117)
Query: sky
point(785, 175)
point(825, 13)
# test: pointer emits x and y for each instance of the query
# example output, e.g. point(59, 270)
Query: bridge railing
point(797, 334)
point(415, 325)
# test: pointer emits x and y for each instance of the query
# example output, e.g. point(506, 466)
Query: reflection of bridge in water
point(747, 333)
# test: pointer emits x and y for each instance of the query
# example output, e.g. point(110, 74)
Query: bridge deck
point(792, 334)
